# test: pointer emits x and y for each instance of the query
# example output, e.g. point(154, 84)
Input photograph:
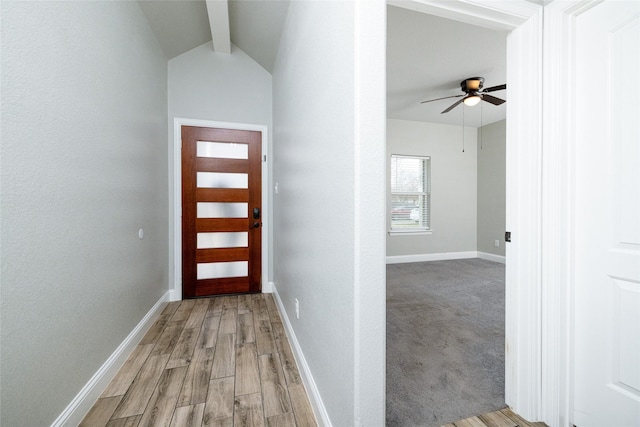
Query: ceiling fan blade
point(492, 99)
point(494, 88)
point(446, 97)
point(453, 106)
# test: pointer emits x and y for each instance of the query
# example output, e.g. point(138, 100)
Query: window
point(410, 193)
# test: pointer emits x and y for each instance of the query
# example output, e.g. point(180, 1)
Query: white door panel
point(607, 213)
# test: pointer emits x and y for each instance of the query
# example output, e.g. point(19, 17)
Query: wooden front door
point(221, 211)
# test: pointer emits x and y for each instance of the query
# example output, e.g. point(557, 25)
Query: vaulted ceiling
point(252, 25)
point(427, 56)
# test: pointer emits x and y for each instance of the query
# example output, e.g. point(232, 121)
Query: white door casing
point(607, 216)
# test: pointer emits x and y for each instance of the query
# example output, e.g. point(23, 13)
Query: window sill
point(409, 232)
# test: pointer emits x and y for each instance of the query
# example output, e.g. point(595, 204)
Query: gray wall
point(453, 186)
point(492, 187)
point(84, 166)
point(468, 189)
point(329, 163)
point(217, 86)
point(213, 86)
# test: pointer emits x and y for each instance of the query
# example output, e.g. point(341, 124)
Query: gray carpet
point(445, 341)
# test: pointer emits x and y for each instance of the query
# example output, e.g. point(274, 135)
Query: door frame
point(558, 269)
point(526, 382)
point(176, 206)
point(540, 142)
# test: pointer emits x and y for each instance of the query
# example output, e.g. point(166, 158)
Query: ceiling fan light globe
point(470, 101)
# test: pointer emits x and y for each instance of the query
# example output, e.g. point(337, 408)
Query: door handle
point(255, 225)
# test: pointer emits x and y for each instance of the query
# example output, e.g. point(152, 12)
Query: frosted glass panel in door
point(222, 210)
point(217, 270)
point(222, 150)
point(223, 240)
point(222, 180)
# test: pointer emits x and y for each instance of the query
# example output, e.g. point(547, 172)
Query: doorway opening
point(467, 146)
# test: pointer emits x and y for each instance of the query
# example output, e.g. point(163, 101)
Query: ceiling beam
point(218, 11)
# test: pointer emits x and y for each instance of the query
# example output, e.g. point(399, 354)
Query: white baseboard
point(84, 400)
point(267, 288)
point(175, 295)
point(322, 417)
point(491, 257)
point(399, 259)
point(444, 256)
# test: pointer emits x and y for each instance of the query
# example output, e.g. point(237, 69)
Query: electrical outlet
point(297, 308)
point(497, 243)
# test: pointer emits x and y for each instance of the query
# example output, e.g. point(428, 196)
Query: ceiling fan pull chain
point(463, 108)
point(481, 125)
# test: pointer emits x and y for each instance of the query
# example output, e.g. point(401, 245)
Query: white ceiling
point(427, 56)
point(255, 25)
point(179, 26)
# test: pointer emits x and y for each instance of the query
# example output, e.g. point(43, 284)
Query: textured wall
point(218, 87)
point(329, 221)
point(84, 166)
point(453, 185)
point(492, 187)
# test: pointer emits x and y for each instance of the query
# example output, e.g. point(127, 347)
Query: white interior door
point(607, 213)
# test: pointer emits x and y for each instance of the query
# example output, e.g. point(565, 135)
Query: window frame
point(425, 194)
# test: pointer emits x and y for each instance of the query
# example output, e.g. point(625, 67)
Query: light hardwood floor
point(503, 418)
point(223, 361)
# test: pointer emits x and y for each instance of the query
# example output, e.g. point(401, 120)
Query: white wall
point(329, 223)
point(453, 186)
point(492, 187)
point(83, 168)
point(219, 87)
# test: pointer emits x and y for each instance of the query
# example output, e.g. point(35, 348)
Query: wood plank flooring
point(223, 361)
point(502, 418)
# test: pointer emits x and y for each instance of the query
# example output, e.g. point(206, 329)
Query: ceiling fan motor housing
point(473, 94)
point(472, 84)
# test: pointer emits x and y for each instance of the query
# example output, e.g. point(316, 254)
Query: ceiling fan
point(473, 94)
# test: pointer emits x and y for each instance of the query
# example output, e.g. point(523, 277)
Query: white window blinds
point(410, 193)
